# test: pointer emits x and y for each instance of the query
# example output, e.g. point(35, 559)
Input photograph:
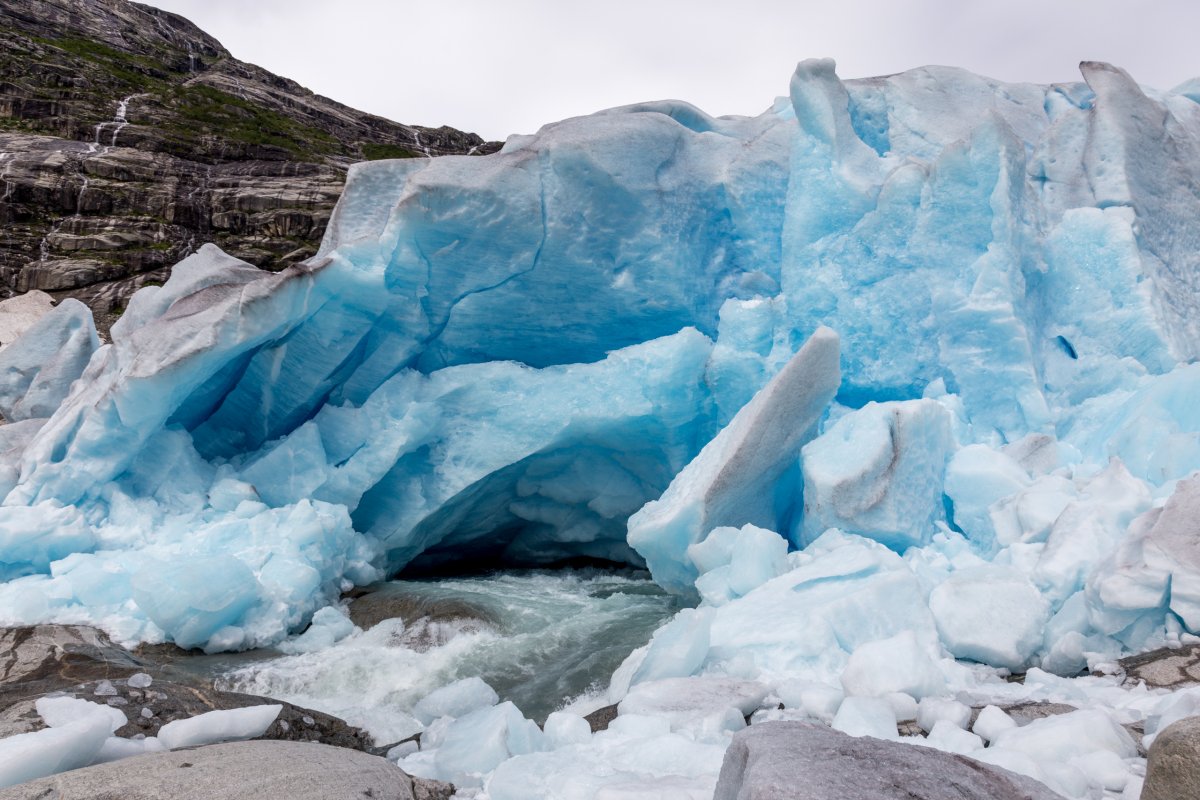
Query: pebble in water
point(140, 681)
point(105, 689)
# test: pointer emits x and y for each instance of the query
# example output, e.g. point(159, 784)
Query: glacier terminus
point(895, 385)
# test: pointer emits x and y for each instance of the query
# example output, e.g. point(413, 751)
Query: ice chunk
point(329, 625)
point(31, 537)
point(947, 736)
point(678, 648)
point(878, 472)
point(564, 729)
point(991, 614)
point(934, 710)
point(455, 700)
point(844, 592)
point(18, 314)
point(977, 477)
point(192, 600)
point(140, 680)
point(866, 716)
point(116, 748)
point(34, 755)
point(735, 479)
point(1061, 737)
point(896, 664)
point(732, 562)
point(819, 700)
point(37, 370)
point(1159, 563)
point(1089, 529)
point(688, 701)
point(478, 742)
point(60, 711)
point(991, 722)
point(234, 724)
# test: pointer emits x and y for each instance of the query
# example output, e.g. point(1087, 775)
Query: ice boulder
point(60, 711)
point(193, 600)
point(990, 614)
point(229, 725)
point(18, 314)
point(843, 592)
point(478, 742)
point(564, 729)
point(455, 700)
point(896, 664)
point(866, 716)
point(37, 370)
point(56, 749)
point(977, 478)
point(689, 701)
point(1155, 569)
point(741, 476)
point(878, 472)
point(732, 561)
point(1061, 737)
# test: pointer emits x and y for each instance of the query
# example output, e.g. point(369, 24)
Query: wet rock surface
point(372, 605)
point(129, 137)
point(263, 770)
point(799, 761)
point(83, 662)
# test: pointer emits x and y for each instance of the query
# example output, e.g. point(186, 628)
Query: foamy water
point(549, 636)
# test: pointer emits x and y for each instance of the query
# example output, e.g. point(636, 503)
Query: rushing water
point(539, 639)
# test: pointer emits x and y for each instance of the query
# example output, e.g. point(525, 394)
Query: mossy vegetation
point(376, 151)
point(206, 110)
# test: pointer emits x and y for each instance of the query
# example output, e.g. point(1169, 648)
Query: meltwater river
point(541, 639)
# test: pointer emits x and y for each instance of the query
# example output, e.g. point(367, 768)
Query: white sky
point(497, 67)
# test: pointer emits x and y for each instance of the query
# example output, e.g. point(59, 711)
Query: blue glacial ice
point(901, 370)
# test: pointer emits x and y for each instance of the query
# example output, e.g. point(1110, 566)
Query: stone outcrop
point(1164, 668)
point(129, 137)
point(1173, 765)
point(257, 770)
point(799, 761)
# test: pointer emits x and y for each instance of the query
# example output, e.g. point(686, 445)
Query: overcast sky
point(497, 67)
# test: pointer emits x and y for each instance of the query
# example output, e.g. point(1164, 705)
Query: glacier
point(901, 371)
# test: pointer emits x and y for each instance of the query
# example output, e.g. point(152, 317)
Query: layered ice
point(899, 372)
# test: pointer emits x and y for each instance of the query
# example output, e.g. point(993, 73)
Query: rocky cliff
point(129, 137)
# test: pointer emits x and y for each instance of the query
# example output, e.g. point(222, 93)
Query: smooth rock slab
point(1173, 766)
point(260, 770)
point(1164, 668)
point(799, 761)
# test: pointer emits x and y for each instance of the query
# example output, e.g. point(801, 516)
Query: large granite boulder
point(257, 770)
point(800, 761)
point(1173, 767)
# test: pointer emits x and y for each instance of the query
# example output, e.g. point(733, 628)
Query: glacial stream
point(539, 638)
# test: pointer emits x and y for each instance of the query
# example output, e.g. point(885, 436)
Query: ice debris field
point(895, 382)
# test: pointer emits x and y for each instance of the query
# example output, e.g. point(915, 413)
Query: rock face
point(128, 137)
point(799, 761)
point(1173, 767)
point(262, 770)
point(1165, 668)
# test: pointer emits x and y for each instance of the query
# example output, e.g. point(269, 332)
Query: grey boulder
point(257, 770)
point(1173, 767)
point(800, 761)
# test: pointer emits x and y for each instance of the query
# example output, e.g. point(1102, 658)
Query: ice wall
point(507, 357)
